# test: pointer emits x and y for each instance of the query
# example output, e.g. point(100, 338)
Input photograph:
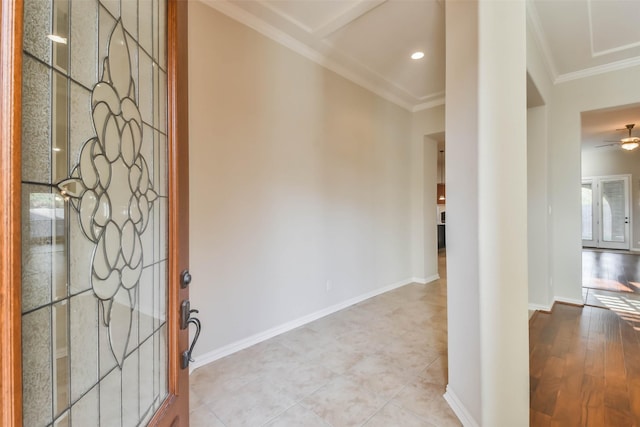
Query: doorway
point(606, 212)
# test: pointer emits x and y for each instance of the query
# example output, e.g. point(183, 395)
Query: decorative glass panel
point(613, 211)
point(587, 212)
point(94, 219)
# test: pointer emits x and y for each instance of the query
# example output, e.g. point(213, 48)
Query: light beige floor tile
point(301, 379)
point(298, 416)
point(204, 417)
point(305, 340)
point(342, 369)
point(425, 400)
point(392, 415)
point(337, 359)
point(411, 356)
point(436, 372)
point(271, 357)
point(252, 405)
point(343, 403)
point(379, 374)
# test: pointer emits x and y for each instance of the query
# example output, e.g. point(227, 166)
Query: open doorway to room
point(441, 200)
point(610, 190)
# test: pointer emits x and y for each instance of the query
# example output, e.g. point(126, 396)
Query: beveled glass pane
point(36, 120)
point(110, 399)
point(84, 38)
point(84, 412)
point(131, 390)
point(61, 374)
point(60, 124)
point(84, 344)
point(95, 231)
point(36, 372)
point(37, 26)
point(113, 6)
point(61, 31)
point(44, 273)
point(145, 16)
point(146, 88)
point(130, 16)
point(146, 306)
point(62, 420)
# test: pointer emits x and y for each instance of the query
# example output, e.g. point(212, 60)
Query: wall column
point(487, 212)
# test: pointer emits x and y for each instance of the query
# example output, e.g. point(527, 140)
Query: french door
point(606, 213)
point(94, 233)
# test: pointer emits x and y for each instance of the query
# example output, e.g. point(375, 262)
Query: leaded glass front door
point(98, 282)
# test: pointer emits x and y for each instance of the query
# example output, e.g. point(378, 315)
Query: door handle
point(186, 355)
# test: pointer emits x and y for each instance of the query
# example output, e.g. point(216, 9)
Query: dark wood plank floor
point(584, 368)
point(614, 271)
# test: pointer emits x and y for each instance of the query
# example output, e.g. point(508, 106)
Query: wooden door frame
point(175, 409)
point(10, 175)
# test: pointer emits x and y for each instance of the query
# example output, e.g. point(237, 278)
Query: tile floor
point(382, 362)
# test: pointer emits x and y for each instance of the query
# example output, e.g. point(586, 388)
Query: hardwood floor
point(584, 368)
point(613, 271)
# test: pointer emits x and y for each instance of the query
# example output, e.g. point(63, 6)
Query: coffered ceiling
point(370, 41)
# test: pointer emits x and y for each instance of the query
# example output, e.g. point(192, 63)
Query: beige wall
point(298, 178)
point(424, 246)
point(601, 162)
point(568, 100)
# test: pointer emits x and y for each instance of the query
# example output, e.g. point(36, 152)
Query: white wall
point(297, 177)
point(614, 161)
point(568, 100)
point(487, 212)
point(540, 292)
point(540, 250)
point(462, 207)
point(424, 236)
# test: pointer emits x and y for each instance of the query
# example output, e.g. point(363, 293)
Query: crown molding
point(235, 12)
point(541, 40)
point(430, 104)
point(600, 69)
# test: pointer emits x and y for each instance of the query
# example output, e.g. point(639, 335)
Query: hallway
point(382, 362)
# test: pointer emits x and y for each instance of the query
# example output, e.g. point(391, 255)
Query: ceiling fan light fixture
point(630, 143)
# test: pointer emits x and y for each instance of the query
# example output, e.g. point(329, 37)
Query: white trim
point(237, 13)
point(569, 300)
point(459, 409)
point(425, 280)
point(234, 347)
point(539, 307)
point(429, 104)
point(595, 52)
point(633, 249)
point(345, 18)
point(541, 40)
point(598, 69)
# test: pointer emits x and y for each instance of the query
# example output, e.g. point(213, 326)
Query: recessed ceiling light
point(57, 39)
point(417, 55)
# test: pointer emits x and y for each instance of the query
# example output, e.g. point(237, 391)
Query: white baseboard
point(270, 333)
point(569, 300)
point(540, 307)
point(425, 280)
point(459, 409)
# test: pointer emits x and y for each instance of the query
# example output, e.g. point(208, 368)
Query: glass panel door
point(614, 213)
point(94, 191)
point(588, 222)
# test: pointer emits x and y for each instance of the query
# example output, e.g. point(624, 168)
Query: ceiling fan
point(629, 143)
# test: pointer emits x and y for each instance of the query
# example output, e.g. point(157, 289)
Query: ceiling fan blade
point(607, 145)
